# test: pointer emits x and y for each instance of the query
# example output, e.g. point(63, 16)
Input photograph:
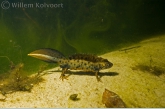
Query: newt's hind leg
point(63, 74)
point(98, 78)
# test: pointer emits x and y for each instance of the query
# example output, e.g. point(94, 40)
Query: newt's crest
point(84, 62)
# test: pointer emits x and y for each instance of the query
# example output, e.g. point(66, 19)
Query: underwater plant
point(155, 70)
point(16, 80)
point(150, 68)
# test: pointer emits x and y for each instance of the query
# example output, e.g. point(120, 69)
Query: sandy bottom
point(136, 86)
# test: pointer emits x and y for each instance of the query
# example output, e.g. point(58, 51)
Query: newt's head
point(105, 64)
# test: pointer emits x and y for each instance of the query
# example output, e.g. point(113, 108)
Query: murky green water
point(84, 26)
point(73, 26)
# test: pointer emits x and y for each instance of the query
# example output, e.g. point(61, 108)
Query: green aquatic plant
point(150, 68)
point(16, 79)
point(11, 62)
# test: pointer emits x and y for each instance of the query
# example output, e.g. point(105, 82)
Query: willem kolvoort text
point(36, 5)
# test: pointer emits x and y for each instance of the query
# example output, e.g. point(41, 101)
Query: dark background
point(81, 26)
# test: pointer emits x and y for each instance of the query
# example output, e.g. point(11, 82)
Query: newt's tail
point(47, 54)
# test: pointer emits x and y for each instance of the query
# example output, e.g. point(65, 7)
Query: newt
point(85, 62)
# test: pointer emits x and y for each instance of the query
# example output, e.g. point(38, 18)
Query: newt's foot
point(98, 79)
point(63, 77)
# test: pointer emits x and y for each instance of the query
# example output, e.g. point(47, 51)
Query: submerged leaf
point(112, 100)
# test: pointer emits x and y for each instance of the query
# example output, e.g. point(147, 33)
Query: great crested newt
point(83, 62)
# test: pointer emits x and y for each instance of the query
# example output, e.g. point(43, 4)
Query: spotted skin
point(83, 62)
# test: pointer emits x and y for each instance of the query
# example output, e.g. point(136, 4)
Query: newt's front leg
point(63, 74)
point(98, 78)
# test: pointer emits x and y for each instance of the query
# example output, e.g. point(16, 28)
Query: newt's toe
point(63, 77)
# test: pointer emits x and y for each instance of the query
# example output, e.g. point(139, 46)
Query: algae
point(17, 80)
point(150, 68)
point(157, 71)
